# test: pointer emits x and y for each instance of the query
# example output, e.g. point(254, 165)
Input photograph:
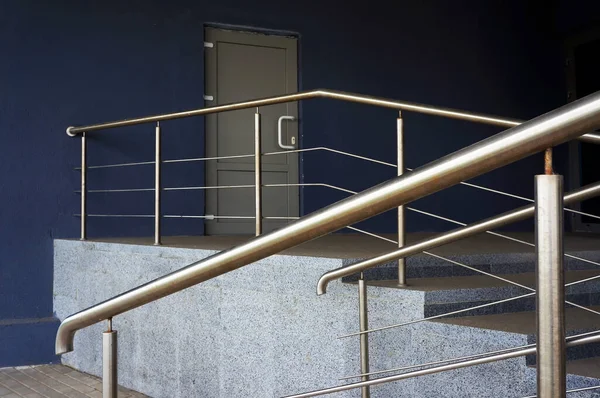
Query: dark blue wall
point(69, 63)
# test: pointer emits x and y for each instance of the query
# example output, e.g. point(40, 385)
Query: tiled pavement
point(53, 381)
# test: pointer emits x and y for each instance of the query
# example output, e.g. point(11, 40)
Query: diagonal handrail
point(522, 213)
point(560, 125)
point(319, 93)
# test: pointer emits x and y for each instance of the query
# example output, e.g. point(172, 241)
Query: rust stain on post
point(548, 162)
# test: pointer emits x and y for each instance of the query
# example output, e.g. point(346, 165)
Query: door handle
point(280, 133)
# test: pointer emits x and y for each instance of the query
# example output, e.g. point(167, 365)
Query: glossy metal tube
point(522, 213)
point(83, 187)
point(442, 368)
point(257, 175)
point(542, 132)
point(550, 296)
point(157, 185)
point(363, 319)
point(401, 225)
point(109, 364)
point(338, 95)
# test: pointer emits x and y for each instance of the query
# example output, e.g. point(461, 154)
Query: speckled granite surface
point(261, 331)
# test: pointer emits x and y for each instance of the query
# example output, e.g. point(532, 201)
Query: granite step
point(443, 294)
point(500, 263)
point(576, 321)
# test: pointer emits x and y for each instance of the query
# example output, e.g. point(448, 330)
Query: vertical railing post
point(83, 187)
point(401, 226)
point(157, 185)
point(109, 362)
point(550, 296)
point(257, 174)
point(364, 338)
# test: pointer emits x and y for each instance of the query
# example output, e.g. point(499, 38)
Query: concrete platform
point(53, 381)
point(262, 331)
point(353, 246)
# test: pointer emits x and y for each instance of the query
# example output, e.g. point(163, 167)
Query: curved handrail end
point(64, 338)
point(322, 285)
point(69, 133)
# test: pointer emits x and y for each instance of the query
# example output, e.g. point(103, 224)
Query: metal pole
point(499, 150)
point(550, 297)
point(83, 187)
point(401, 227)
point(257, 175)
point(109, 362)
point(157, 185)
point(364, 338)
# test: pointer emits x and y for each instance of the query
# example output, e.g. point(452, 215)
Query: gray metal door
point(241, 66)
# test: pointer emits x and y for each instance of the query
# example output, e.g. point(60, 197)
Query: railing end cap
point(69, 131)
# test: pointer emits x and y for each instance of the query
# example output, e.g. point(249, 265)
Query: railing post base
point(109, 364)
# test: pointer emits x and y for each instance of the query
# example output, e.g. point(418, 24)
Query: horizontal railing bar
point(305, 95)
point(519, 214)
point(270, 185)
point(200, 188)
point(118, 190)
point(571, 391)
point(321, 148)
point(545, 131)
point(441, 368)
point(211, 217)
point(451, 360)
point(118, 215)
point(320, 93)
point(106, 166)
point(481, 187)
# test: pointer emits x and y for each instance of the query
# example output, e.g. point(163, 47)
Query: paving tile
point(60, 382)
point(49, 392)
point(10, 383)
point(22, 390)
point(53, 381)
point(83, 378)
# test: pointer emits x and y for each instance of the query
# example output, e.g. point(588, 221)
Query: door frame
point(574, 146)
point(300, 125)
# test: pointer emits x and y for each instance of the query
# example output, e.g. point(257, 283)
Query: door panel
point(242, 66)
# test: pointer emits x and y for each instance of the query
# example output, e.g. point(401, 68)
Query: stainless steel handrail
point(319, 93)
point(533, 136)
point(493, 357)
point(522, 213)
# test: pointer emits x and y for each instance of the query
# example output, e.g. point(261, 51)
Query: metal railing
point(563, 124)
point(258, 213)
point(520, 214)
